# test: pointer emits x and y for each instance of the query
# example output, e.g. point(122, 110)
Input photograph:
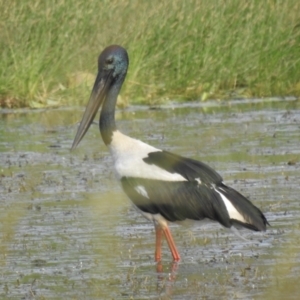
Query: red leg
point(158, 234)
point(171, 243)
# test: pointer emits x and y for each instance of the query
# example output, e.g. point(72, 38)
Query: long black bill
point(97, 97)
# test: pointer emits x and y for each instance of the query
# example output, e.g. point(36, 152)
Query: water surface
point(67, 231)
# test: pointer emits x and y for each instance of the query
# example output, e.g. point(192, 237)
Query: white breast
point(128, 155)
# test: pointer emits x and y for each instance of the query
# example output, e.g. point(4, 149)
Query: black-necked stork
point(164, 186)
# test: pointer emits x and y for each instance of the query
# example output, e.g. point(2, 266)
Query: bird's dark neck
point(107, 122)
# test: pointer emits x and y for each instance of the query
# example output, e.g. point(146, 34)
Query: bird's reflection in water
point(166, 280)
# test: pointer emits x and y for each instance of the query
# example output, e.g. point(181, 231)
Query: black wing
point(176, 200)
point(196, 198)
point(190, 169)
point(255, 219)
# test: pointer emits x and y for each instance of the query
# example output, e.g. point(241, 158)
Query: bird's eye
point(109, 60)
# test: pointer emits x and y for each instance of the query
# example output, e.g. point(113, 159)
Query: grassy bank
point(178, 49)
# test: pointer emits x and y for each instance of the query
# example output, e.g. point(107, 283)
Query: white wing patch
point(142, 191)
point(198, 180)
point(232, 211)
point(128, 155)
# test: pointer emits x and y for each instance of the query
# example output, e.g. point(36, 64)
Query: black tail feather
point(255, 219)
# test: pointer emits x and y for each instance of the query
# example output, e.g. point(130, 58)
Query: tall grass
point(178, 49)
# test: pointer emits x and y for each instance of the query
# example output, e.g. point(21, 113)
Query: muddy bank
point(68, 231)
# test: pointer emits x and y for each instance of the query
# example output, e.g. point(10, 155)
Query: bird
point(163, 186)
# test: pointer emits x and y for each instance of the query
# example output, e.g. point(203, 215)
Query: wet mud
point(67, 231)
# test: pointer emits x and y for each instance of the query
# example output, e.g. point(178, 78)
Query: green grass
point(178, 49)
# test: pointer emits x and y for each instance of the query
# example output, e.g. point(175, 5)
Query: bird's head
point(113, 62)
point(112, 68)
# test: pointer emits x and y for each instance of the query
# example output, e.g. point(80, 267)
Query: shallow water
point(67, 231)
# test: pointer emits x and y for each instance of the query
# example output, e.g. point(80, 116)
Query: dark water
point(67, 231)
